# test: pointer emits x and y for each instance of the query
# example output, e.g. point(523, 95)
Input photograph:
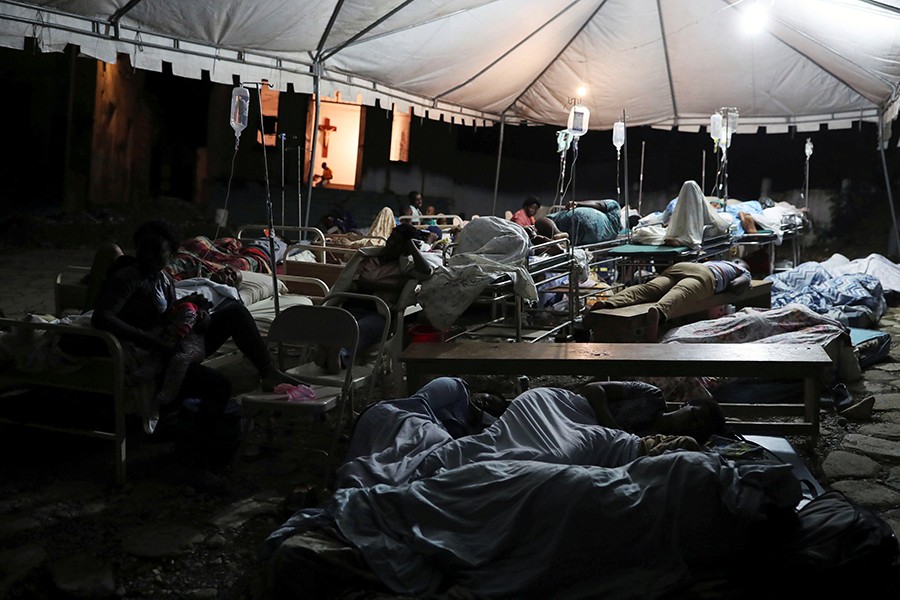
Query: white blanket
point(691, 216)
point(887, 272)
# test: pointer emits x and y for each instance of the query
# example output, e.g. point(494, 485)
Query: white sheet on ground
point(887, 272)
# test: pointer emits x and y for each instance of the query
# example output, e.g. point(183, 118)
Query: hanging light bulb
point(715, 128)
point(581, 91)
point(809, 148)
point(618, 136)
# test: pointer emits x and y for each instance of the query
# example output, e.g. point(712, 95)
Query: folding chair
point(298, 331)
point(392, 379)
point(366, 367)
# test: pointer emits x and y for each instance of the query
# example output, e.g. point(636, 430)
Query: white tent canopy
point(665, 63)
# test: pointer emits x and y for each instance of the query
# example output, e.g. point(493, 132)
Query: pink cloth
point(295, 393)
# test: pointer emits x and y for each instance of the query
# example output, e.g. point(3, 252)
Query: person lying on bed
point(133, 306)
point(589, 221)
point(677, 287)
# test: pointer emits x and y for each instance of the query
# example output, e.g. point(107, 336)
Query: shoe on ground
point(861, 411)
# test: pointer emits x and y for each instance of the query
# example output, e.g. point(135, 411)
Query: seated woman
point(133, 305)
point(525, 216)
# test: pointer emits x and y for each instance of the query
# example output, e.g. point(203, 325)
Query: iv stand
point(640, 183)
point(806, 184)
point(625, 171)
point(268, 204)
point(282, 136)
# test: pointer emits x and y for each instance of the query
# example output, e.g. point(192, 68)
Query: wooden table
point(624, 361)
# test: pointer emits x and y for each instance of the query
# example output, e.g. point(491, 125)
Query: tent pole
point(625, 176)
point(703, 172)
point(640, 182)
point(887, 179)
point(499, 156)
point(317, 74)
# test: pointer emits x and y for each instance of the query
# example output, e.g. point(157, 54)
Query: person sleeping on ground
point(541, 502)
point(640, 408)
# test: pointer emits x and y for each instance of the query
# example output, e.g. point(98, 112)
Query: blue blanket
point(854, 299)
point(588, 225)
point(542, 503)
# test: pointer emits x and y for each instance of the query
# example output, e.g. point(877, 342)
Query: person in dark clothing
point(640, 408)
point(133, 305)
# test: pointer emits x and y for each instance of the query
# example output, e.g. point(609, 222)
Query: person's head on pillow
point(227, 276)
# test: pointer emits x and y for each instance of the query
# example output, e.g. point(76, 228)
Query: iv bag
point(809, 148)
point(578, 120)
point(731, 124)
point(618, 134)
point(715, 127)
point(240, 109)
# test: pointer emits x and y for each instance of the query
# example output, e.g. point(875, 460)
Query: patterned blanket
point(854, 299)
point(201, 257)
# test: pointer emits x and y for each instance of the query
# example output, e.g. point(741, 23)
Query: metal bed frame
point(641, 262)
point(502, 298)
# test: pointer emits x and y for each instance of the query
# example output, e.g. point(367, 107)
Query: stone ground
point(66, 531)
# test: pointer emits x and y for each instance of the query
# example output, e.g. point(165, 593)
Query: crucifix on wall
point(326, 128)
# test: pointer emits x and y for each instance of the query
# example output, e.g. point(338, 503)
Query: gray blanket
point(542, 503)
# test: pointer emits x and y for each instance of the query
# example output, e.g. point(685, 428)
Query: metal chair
point(298, 331)
point(368, 363)
point(391, 375)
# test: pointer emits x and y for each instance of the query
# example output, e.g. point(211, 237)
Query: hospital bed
point(309, 252)
point(31, 356)
point(561, 293)
point(640, 262)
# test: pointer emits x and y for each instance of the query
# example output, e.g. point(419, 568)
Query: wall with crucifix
point(339, 138)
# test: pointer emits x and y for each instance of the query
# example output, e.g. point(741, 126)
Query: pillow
point(258, 286)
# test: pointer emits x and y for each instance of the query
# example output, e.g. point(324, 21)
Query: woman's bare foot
point(274, 376)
